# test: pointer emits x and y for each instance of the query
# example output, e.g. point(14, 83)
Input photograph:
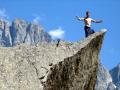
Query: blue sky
point(60, 15)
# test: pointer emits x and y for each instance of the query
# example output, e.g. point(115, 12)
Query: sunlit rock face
point(5, 37)
point(21, 31)
point(68, 66)
point(115, 73)
point(104, 79)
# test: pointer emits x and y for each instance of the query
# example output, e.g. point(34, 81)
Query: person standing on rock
point(87, 20)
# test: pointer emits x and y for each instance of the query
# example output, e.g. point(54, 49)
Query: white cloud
point(57, 33)
point(3, 14)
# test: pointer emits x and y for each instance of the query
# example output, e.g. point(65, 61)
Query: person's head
point(87, 13)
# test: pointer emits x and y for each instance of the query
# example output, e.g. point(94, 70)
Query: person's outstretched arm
point(97, 21)
point(80, 19)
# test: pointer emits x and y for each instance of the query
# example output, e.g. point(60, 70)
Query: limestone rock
point(70, 66)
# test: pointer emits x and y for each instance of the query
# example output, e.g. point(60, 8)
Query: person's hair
point(87, 12)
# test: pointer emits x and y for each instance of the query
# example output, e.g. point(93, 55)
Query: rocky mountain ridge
point(104, 79)
point(115, 73)
point(20, 32)
point(108, 79)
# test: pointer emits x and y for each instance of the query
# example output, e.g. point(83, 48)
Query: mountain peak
point(104, 79)
point(21, 31)
point(19, 21)
point(115, 73)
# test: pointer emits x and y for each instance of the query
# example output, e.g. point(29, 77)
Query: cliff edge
point(70, 66)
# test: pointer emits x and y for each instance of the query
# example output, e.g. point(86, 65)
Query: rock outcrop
point(70, 66)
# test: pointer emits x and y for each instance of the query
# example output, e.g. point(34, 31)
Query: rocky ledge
point(70, 66)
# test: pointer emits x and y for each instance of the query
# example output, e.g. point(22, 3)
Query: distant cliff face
point(115, 73)
point(22, 32)
point(104, 79)
point(5, 37)
point(108, 80)
point(70, 66)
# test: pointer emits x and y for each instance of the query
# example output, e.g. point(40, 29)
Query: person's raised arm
point(80, 19)
point(97, 21)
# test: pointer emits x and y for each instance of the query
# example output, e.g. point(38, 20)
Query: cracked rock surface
point(70, 66)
